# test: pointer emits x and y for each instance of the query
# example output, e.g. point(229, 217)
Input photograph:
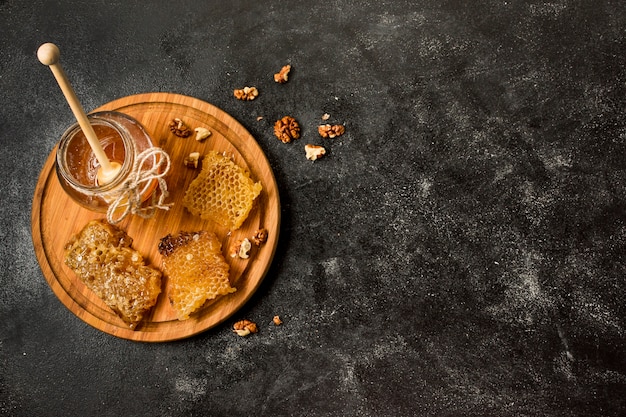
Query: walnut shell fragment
point(286, 129)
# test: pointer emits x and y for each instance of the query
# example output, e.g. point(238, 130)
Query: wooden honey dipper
point(49, 55)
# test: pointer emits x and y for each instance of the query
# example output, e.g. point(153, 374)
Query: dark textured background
point(459, 251)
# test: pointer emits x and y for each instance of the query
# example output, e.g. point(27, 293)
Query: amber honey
point(122, 139)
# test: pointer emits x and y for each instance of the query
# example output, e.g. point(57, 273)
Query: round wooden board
point(55, 218)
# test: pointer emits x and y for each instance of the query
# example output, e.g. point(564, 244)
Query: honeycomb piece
point(223, 192)
point(101, 256)
point(196, 270)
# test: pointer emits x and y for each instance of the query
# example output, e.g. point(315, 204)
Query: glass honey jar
point(123, 139)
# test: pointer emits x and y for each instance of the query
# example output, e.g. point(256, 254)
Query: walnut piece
point(282, 76)
point(325, 116)
point(314, 152)
point(191, 161)
point(202, 133)
point(331, 131)
point(287, 129)
point(179, 128)
point(245, 327)
point(277, 321)
point(246, 93)
point(244, 249)
point(260, 237)
point(241, 248)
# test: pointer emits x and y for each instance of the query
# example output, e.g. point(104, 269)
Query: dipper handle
point(49, 55)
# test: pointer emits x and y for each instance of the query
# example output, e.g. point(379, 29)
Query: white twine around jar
point(128, 195)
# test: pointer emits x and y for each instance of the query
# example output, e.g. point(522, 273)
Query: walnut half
point(286, 129)
point(246, 93)
point(179, 128)
point(331, 131)
point(245, 327)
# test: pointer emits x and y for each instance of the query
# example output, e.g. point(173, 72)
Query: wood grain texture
point(55, 218)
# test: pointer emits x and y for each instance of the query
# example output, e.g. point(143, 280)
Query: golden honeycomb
point(101, 256)
point(223, 192)
point(196, 270)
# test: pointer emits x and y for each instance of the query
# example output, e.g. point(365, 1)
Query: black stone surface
point(458, 252)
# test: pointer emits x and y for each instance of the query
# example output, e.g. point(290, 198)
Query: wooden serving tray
point(56, 217)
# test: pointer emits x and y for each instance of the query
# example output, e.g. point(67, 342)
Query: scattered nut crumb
point(245, 327)
point(241, 248)
point(277, 321)
point(260, 237)
point(259, 118)
point(314, 152)
point(179, 128)
point(202, 133)
point(191, 161)
point(326, 116)
point(287, 129)
point(246, 93)
point(331, 131)
point(282, 76)
point(234, 249)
